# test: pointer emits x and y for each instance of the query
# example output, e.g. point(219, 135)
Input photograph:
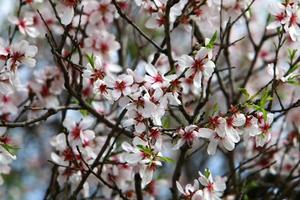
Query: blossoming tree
point(152, 99)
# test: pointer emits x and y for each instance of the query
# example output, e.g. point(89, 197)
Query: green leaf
point(265, 98)
point(84, 113)
point(265, 114)
point(10, 149)
point(166, 122)
point(212, 41)
point(293, 81)
point(245, 93)
point(91, 60)
point(206, 172)
point(144, 149)
point(292, 54)
point(215, 108)
point(292, 69)
point(167, 159)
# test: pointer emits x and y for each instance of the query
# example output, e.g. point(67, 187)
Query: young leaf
point(91, 60)
point(167, 159)
point(212, 41)
point(206, 172)
point(12, 150)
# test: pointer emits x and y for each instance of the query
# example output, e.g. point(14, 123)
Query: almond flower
point(287, 16)
point(21, 53)
point(25, 26)
point(143, 156)
point(264, 126)
point(191, 191)
point(187, 136)
point(120, 86)
point(95, 72)
point(65, 10)
point(277, 9)
point(78, 130)
point(225, 132)
point(213, 190)
point(251, 128)
point(199, 67)
point(155, 78)
point(101, 43)
point(210, 189)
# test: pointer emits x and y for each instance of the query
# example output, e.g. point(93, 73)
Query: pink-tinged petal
point(69, 124)
point(87, 135)
point(98, 62)
point(127, 79)
point(114, 46)
point(132, 158)
point(198, 195)
point(196, 184)
point(13, 19)
point(116, 94)
point(270, 69)
point(220, 184)
point(220, 130)
point(212, 147)
point(32, 32)
point(31, 51)
point(59, 142)
point(253, 131)
point(30, 62)
point(190, 128)
point(10, 108)
point(88, 42)
point(126, 91)
point(55, 158)
point(203, 180)
point(179, 187)
point(150, 69)
point(276, 8)
point(189, 188)
point(239, 120)
point(109, 80)
point(138, 141)
point(228, 144)
point(260, 140)
point(140, 127)
point(51, 102)
point(185, 61)
point(274, 25)
point(127, 147)
point(86, 122)
point(205, 133)
point(179, 144)
point(189, 72)
point(152, 23)
point(270, 117)
point(209, 68)
point(201, 54)
point(2, 130)
point(146, 177)
point(66, 13)
point(232, 134)
point(198, 80)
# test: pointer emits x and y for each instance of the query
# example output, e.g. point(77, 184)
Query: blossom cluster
point(126, 110)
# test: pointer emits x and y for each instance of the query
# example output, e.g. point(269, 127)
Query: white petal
point(180, 189)
point(205, 133)
point(66, 13)
point(212, 147)
point(239, 120)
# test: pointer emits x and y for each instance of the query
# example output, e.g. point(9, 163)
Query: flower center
point(120, 86)
point(198, 65)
